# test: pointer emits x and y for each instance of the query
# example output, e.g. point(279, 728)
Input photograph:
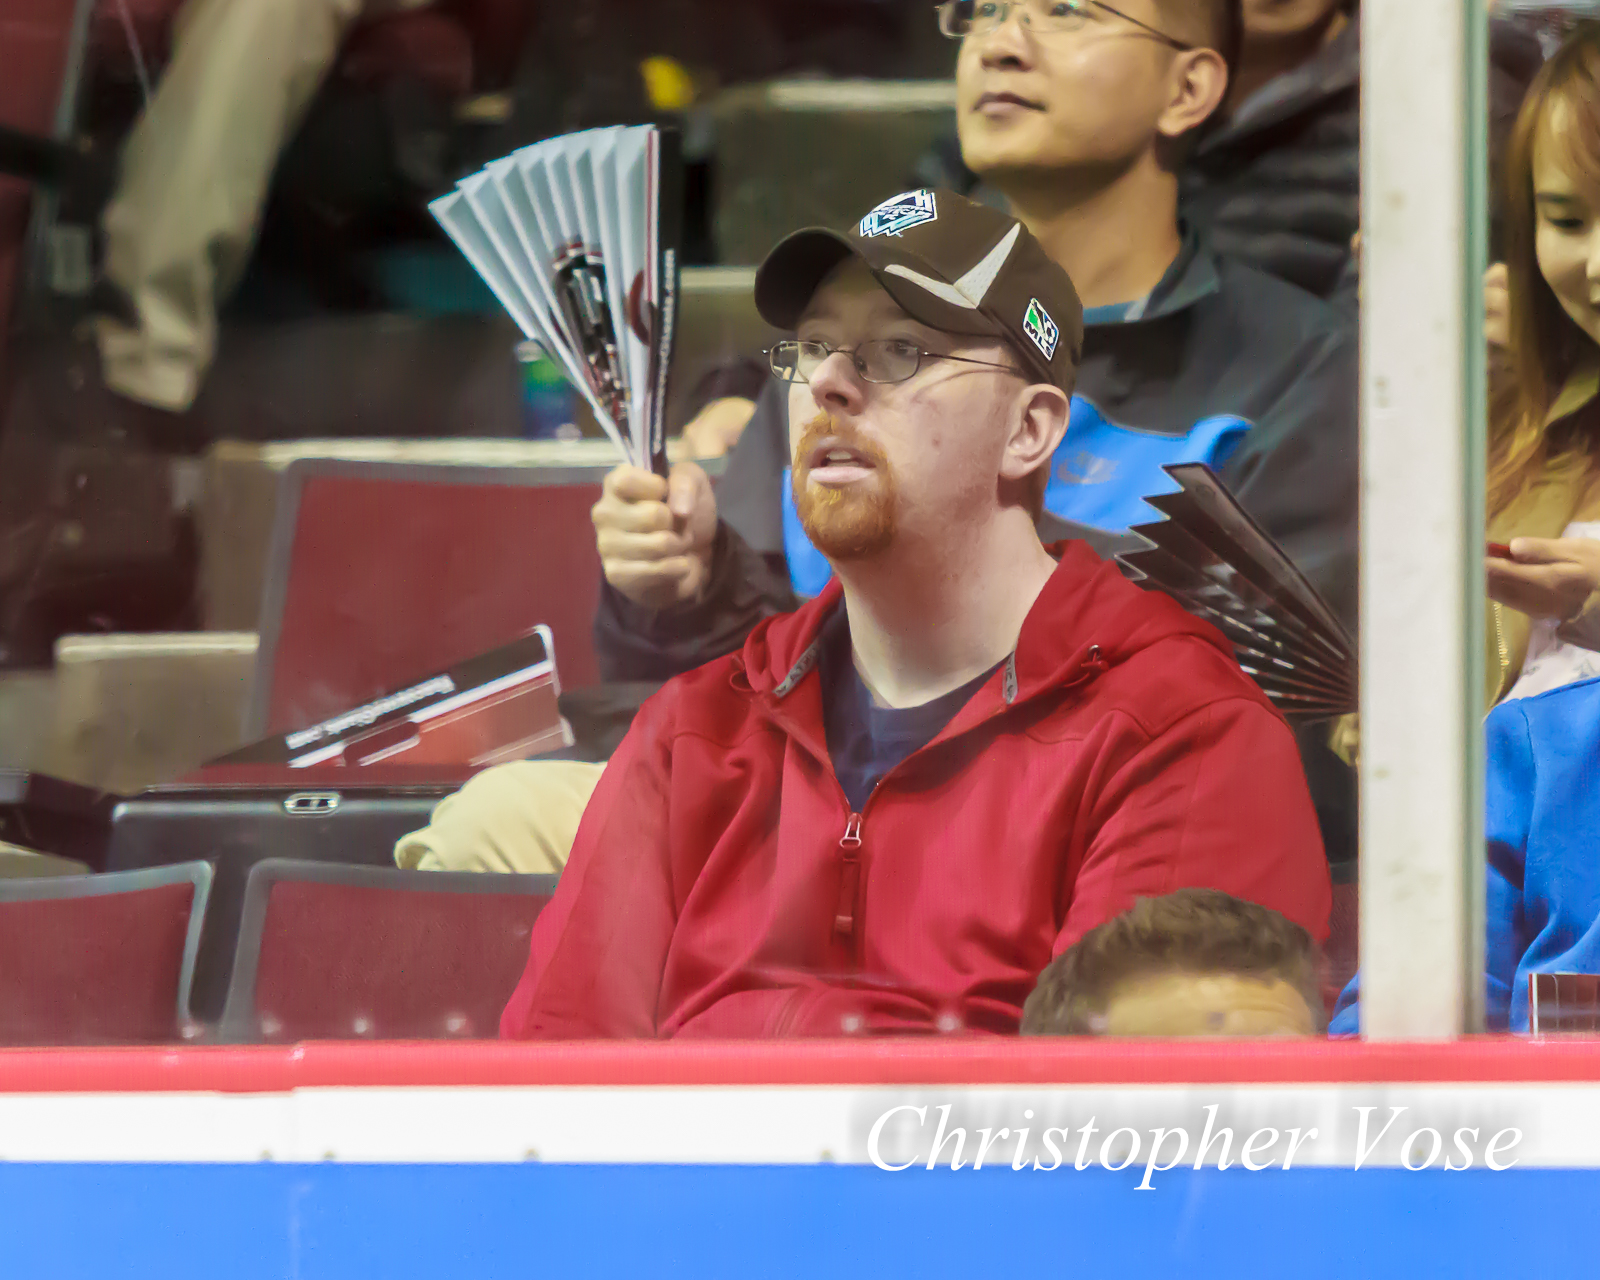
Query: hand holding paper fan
point(578, 237)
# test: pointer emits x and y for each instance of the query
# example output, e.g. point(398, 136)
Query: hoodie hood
point(1087, 615)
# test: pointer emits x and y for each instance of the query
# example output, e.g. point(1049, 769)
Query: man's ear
point(1037, 427)
point(1199, 84)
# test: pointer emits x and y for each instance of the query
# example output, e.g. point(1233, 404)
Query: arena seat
point(330, 952)
point(1564, 1004)
point(100, 959)
point(380, 573)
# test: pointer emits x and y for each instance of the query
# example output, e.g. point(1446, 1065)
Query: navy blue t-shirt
point(865, 741)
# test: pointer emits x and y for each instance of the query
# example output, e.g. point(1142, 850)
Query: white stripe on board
point(1549, 1126)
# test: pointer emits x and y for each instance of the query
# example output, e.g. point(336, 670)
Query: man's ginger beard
point(844, 524)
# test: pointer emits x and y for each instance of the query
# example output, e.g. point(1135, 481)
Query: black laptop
point(238, 815)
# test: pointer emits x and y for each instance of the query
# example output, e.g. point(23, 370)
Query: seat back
point(1564, 1004)
point(330, 952)
point(380, 573)
point(100, 959)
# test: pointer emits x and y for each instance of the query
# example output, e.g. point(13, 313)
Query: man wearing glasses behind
point(893, 807)
point(1080, 114)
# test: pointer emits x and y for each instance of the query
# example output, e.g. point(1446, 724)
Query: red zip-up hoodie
point(721, 886)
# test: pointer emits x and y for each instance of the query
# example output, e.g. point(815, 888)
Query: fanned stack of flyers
point(578, 236)
point(1211, 557)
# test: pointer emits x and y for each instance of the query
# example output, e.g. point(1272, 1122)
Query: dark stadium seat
point(330, 952)
point(101, 959)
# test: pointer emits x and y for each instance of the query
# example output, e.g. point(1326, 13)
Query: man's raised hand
point(655, 536)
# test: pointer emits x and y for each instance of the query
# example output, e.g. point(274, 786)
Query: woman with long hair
point(1544, 421)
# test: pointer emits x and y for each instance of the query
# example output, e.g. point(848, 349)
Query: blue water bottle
point(549, 403)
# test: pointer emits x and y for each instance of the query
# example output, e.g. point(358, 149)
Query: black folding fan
point(1219, 564)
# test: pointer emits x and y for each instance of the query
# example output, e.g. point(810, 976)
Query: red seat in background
point(383, 572)
point(330, 952)
point(105, 959)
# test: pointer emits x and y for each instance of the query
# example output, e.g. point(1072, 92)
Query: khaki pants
point(519, 817)
point(17, 863)
point(195, 172)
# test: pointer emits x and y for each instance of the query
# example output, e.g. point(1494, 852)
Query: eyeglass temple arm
point(1179, 45)
point(1160, 35)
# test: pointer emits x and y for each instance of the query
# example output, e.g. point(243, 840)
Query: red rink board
point(839, 1062)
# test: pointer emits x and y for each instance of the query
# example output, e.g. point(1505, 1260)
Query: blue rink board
point(308, 1222)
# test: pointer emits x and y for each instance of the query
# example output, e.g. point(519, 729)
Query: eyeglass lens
point(978, 17)
point(885, 360)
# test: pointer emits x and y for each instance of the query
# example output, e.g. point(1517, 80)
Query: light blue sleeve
point(1509, 792)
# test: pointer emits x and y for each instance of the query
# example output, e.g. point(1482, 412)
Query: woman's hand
point(718, 427)
point(1547, 577)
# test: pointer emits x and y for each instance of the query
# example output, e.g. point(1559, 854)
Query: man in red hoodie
point(895, 806)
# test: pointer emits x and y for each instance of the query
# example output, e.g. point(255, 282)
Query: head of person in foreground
point(1197, 962)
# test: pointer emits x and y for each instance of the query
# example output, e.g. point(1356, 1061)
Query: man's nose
point(836, 385)
point(1010, 45)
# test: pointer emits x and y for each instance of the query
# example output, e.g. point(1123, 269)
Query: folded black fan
point(578, 237)
point(1215, 561)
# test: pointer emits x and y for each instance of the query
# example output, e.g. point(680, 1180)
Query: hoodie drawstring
point(1093, 666)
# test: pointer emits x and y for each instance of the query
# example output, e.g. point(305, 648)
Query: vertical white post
point(1422, 529)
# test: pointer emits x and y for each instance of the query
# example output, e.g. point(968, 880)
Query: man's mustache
point(825, 426)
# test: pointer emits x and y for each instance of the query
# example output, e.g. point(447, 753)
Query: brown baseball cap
point(952, 264)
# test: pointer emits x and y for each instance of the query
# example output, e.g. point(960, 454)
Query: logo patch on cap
point(1041, 329)
point(900, 214)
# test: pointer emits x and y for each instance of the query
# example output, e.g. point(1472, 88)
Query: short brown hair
point(1190, 931)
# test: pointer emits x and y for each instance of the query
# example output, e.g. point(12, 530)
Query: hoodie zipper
point(853, 839)
point(844, 912)
point(851, 842)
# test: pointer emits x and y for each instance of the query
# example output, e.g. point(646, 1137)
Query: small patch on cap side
point(905, 211)
point(1041, 329)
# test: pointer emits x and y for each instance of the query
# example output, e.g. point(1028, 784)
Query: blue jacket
point(1543, 828)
